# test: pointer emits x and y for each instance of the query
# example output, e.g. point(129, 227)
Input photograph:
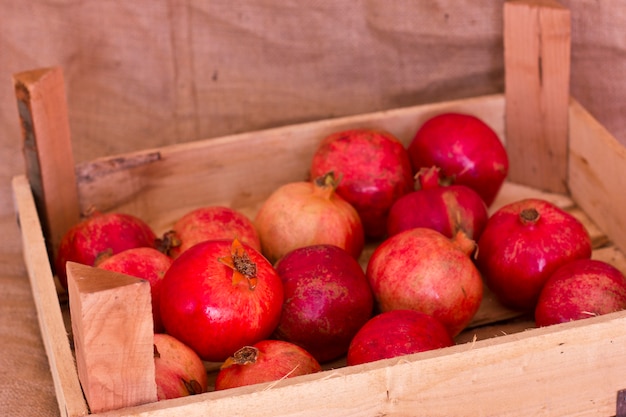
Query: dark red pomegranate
point(99, 236)
point(466, 149)
point(374, 171)
point(523, 244)
point(395, 333)
point(446, 209)
point(327, 300)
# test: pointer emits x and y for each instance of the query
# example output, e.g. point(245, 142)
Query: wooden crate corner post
point(47, 148)
point(537, 38)
point(112, 325)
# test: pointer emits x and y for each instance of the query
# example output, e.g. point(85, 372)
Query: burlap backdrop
point(149, 73)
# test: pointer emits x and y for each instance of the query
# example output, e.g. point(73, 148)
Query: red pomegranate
point(307, 213)
point(179, 371)
point(327, 300)
point(395, 333)
point(220, 295)
point(145, 263)
point(208, 223)
point(421, 269)
point(374, 169)
point(446, 209)
point(265, 361)
point(523, 244)
point(581, 289)
point(101, 235)
point(465, 148)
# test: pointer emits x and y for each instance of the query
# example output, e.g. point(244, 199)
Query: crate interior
point(160, 185)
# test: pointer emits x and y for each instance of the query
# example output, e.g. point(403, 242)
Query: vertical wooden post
point(111, 316)
point(537, 75)
point(47, 147)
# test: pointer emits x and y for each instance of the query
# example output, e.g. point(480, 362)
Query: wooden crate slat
point(51, 324)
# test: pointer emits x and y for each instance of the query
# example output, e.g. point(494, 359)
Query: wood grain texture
point(52, 327)
point(112, 326)
point(537, 60)
point(47, 149)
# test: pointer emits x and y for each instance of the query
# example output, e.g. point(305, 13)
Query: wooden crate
point(501, 365)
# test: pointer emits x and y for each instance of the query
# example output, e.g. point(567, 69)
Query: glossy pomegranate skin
point(213, 222)
point(446, 209)
point(420, 269)
point(327, 300)
point(145, 263)
point(581, 289)
point(204, 308)
point(306, 213)
point(99, 236)
point(274, 360)
point(396, 333)
point(516, 255)
point(465, 148)
point(375, 171)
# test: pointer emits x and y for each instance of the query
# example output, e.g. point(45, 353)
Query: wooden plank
point(113, 337)
point(47, 150)
point(568, 369)
point(51, 324)
point(597, 168)
point(537, 62)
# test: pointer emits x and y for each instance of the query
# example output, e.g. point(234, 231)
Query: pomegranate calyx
point(529, 216)
point(427, 178)
point(169, 241)
point(464, 243)
point(243, 267)
point(244, 356)
point(430, 178)
point(193, 387)
point(325, 185)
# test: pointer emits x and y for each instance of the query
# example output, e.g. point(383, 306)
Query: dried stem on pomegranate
point(244, 356)
point(168, 242)
point(530, 215)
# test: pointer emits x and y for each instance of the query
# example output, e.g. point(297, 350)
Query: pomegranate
point(179, 371)
point(580, 289)
point(220, 295)
point(395, 333)
point(101, 235)
point(327, 300)
point(209, 223)
point(304, 213)
point(265, 361)
point(421, 269)
point(375, 171)
point(466, 149)
point(522, 244)
point(146, 263)
point(446, 209)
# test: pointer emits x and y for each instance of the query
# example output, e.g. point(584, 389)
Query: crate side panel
point(51, 324)
point(597, 169)
point(569, 369)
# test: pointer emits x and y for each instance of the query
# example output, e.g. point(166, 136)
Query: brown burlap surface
point(149, 73)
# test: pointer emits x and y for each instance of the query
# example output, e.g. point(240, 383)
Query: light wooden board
point(51, 322)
